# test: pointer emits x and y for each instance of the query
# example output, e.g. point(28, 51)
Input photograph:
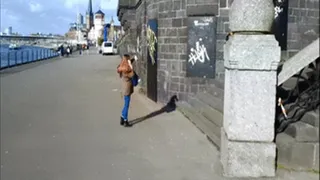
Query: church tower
point(111, 30)
point(89, 16)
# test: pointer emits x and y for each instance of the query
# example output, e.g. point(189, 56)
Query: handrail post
point(8, 54)
point(21, 57)
point(27, 56)
point(15, 58)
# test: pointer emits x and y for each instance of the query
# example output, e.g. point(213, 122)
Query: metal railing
point(304, 97)
point(18, 57)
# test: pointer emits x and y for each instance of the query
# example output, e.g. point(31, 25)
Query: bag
point(135, 79)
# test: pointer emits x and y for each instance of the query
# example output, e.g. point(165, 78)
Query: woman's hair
point(128, 57)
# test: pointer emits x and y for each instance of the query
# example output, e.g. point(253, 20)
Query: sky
point(49, 16)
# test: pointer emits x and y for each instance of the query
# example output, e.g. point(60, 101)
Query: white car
point(107, 48)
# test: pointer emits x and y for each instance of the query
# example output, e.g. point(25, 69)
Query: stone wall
point(172, 42)
point(303, 24)
point(172, 38)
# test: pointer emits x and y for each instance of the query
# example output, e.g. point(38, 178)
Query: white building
point(8, 31)
point(98, 26)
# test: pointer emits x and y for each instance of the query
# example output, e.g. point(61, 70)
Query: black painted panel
point(152, 38)
point(201, 46)
point(280, 25)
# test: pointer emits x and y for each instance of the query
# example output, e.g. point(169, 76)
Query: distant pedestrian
point(87, 49)
point(80, 49)
point(68, 51)
point(61, 50)
point(126, 73)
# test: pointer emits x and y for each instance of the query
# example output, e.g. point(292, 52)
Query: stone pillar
point(251, 58)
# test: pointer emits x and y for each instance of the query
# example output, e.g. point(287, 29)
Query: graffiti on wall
point(152, 39)
point(198, 53)
point(201, 47)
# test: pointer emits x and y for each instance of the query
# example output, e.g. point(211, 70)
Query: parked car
point(107, 48)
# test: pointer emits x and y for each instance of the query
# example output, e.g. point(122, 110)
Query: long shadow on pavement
point(169, 107)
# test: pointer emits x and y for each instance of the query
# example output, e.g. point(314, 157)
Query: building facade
point(80, 19)
point(96, 31)
point(187, 37)
point(8, 31)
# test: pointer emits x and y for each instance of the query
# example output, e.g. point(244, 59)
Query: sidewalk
point(60, 121)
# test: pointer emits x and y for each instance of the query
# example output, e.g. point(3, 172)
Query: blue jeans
point(125, 109)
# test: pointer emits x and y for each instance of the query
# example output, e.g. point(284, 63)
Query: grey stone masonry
point(251, 61)
point(303, 28)
point(172, 42)
point(254, 18)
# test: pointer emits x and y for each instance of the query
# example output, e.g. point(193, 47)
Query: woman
point(126, 72)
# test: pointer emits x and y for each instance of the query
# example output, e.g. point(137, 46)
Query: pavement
point(60, 121)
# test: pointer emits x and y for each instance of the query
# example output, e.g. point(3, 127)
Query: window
point(107, 44)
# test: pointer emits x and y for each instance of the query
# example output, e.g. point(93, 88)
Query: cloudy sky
point(49, 16)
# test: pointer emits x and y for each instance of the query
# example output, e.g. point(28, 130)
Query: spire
point(89, 11)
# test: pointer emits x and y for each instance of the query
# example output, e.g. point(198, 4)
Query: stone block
point(303, 132)
point(239, 52)
point(301, 5)
point(302, 156)
point(249, 105)
point(284, 145)
point(191, 2)
point(202, 9)
point(251, 15)
point(223, 3)
point(177, 5)
point(247, 159)
point(316, 158)
point(297, 155)
point(213, 101)
point(181, 14)
point(182, 32)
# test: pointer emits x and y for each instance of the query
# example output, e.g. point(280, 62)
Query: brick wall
point(303, 24)
point(172, 16)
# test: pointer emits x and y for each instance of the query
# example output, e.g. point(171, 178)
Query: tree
point(100, 41)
